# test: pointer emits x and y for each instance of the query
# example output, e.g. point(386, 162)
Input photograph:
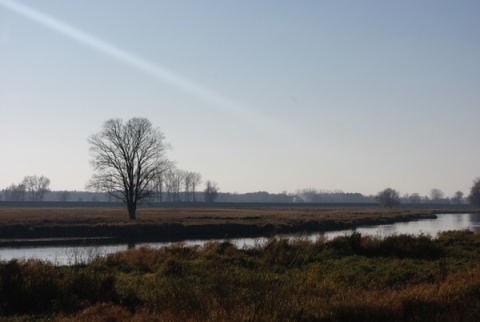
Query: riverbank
point(64, 226)
point(349, 278)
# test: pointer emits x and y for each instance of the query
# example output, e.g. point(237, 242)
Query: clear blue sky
point(255, 95)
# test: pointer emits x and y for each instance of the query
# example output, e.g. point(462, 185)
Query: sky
point(255, 95)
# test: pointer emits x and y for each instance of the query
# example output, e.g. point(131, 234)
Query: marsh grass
point(82, 255)
point(158, 224)
point(348, 278)
point(191, 216)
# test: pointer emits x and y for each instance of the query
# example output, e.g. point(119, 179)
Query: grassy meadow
point(158, 224)
point(193, 216)
point(349, 278)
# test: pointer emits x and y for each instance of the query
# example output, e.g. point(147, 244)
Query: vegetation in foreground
point(350, 278)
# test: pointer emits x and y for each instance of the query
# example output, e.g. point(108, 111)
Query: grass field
point(177, 224)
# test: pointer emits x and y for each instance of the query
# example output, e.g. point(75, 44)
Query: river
point(68, 255)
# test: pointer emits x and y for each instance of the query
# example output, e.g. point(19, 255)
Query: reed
point(349, 278)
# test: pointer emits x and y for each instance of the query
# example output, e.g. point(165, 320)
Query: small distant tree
point(36, 187)
point(15, 192)
point(63, 195)
point(31, 188)
point(187, 186)
point(191, 181)
point(474, 196)
point(388, 198)
point(157, 186)
point(196, 180)
point(174, 179)
point(414, 198)
point(211, 191)
point(457, 197)
point(436, 194)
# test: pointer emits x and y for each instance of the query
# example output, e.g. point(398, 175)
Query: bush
point(352, 277)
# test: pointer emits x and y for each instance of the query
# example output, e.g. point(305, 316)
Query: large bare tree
point(127, 157)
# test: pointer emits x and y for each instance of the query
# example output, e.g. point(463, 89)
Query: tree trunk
point(132, 208)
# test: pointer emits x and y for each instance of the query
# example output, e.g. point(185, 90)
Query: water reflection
point(427, 227)
point(69, 255)
point(474, 220)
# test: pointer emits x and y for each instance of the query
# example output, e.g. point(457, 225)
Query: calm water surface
point(68, 255)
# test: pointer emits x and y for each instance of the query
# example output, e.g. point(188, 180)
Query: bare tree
point(191, 181)
point(173, 184)
point(474, 196)
point(31, 188)
point(15, 192)
point(187, 184)
point(29, 183)
point(414, 198)
point(36, 187)
point(457, 197)
point(126, 158)
point(169, 186)
point(436, 194)
point(157, 187)
point(177, 183)
point(196, 180)
point(211, 191)
point(388, 197)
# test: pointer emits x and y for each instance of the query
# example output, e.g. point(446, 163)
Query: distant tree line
point(130, 165)
point(309, 195)
point(175, 187)
point(390, 198)
point(31, 188)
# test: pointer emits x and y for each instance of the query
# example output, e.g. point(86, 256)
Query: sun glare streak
point(221, 102)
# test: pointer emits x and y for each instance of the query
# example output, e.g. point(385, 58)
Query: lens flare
point(219, 101)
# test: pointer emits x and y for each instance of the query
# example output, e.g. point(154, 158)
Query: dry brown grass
point(188, 216)
point(174, 224)
point(345, 279)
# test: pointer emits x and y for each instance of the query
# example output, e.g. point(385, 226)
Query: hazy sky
point(255, 95)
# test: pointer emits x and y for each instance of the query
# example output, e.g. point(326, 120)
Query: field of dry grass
point(175, 224)
point(192, 216)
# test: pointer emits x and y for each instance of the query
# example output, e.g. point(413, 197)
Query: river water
point(68, 255)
